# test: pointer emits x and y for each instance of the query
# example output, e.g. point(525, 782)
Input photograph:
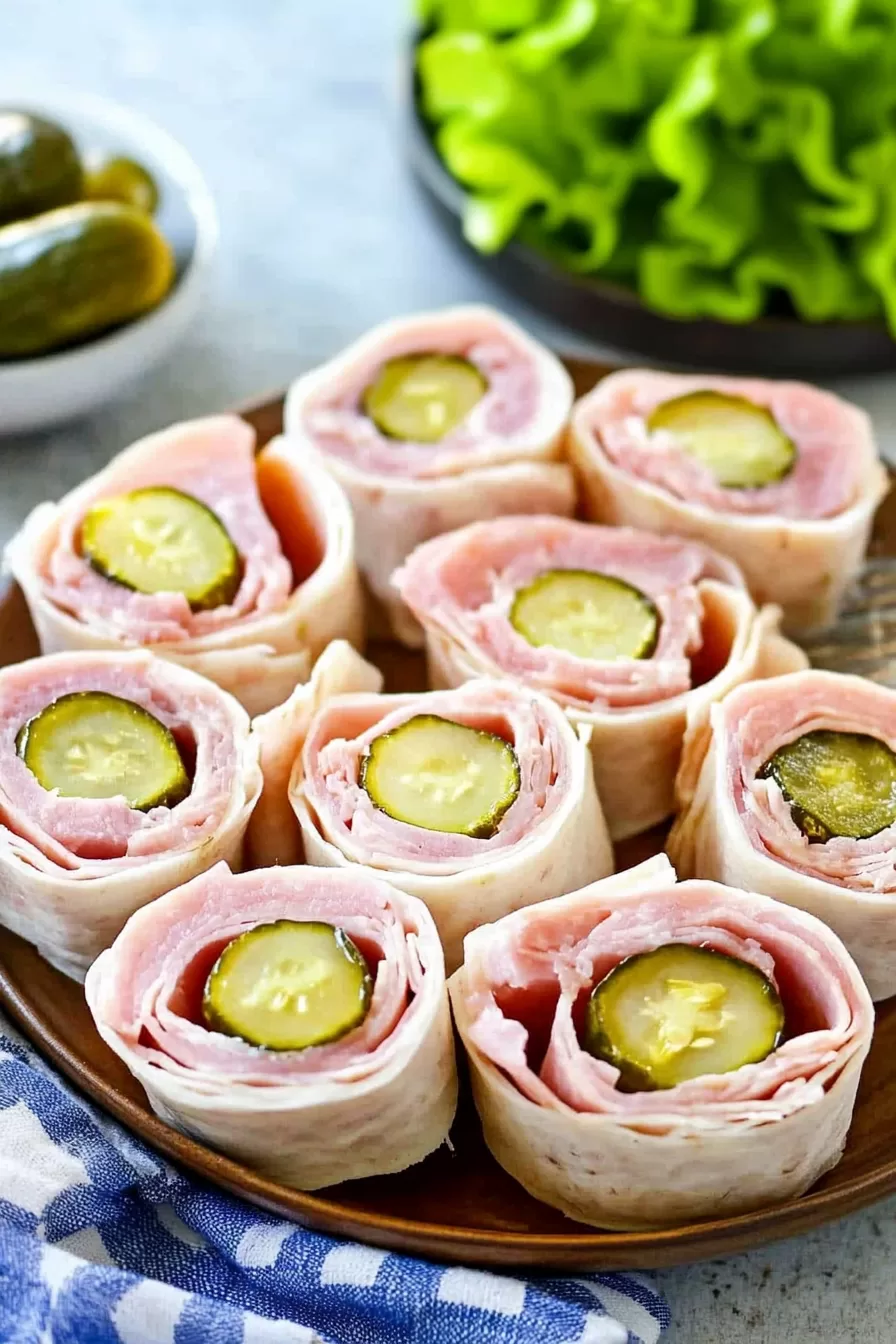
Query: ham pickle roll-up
point(121, 776)
point(431, 422)
point(240, 567)
point(477, 800)
point(623, 629)
point(645, 1053)
point(783, 477)
point(793, 793)
point(294, 1018)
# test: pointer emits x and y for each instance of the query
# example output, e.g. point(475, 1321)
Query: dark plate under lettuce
point(719, 162)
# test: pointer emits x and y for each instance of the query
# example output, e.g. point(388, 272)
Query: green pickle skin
point(284, 987)
point(76, 271)
point(122, 179)
point(837, 784)
point(39, 166)
point(604, 1038)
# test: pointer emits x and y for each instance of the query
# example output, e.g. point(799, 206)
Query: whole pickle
point(121, 179)
point(39, 166)
point(76, 271)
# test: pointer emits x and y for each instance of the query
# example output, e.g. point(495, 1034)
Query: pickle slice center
point(288, 985)
point(421, 398)
point(442, 776)
point(838, 784)
point(92, 745)
point(740, 443)
point(161, 540)
point(588, 614)
point(688, 1015)
point(680, 1012)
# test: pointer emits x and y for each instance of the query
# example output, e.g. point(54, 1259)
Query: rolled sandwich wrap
point(375, 1100)
point(74, 868)
point(699, 631)
point(659, 451)
point(502, 456)
point(715, 1145)
point(738, 824)
point(295, 585)
point(546, 836)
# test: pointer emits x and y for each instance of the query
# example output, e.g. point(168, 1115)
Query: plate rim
point(589, 1249)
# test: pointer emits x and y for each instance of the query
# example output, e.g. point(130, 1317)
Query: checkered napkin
point(101, 1242)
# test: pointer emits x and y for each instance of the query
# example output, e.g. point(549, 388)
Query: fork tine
point(863, 641)
point(875, 590)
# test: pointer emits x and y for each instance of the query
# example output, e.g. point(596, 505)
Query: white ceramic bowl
point(36, 393)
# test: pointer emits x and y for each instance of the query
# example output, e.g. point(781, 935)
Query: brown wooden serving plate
point(459, 1204)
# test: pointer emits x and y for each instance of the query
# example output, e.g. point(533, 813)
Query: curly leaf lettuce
point(724, 158)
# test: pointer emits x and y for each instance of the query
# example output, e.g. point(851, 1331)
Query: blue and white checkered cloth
point(101, 1242)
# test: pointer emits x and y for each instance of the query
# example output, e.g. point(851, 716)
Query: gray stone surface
point(290, 108)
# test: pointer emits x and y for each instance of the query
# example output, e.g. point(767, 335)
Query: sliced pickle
point(443, 776)
point(160, 540)
point(288, 985)
point(591, 615)
point(679, 1012)
point(421, 398)
point(740, 443)
point(837, 784)
point(92, 745)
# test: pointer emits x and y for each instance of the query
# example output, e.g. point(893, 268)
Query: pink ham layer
point(336, 423)
point(341, 733)
point(763, 716)
point(540, 962)
point(88, 837)
point(214, 461)
point(827, 433)
point(149, 985)
point(464, 583)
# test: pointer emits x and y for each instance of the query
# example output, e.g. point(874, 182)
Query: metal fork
point(864, 639)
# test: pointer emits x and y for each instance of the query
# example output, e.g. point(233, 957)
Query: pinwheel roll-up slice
point(645, 1052)
point(793, 793)
point(783, 477)
point(624, 630)
point(121, 776)
point(431, 422)
point(294, 1018)
point(477, 800)
point(238, 566)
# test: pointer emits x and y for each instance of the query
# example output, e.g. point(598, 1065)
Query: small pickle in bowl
point(80, 253)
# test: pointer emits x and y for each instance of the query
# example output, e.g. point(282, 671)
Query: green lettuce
point(721, 157)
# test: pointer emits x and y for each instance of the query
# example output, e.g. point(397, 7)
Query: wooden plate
point(457, 1205)
point(614, 314)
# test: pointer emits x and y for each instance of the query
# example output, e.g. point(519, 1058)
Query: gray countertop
point(289, 107)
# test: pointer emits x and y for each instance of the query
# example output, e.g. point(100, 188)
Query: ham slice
point(72, 870)
point(501, 459)
point(375, 1101)
point(715, 1146)
point(550, 840)
point(290, 523)
point(800, 541)
point(461, 587)
point(737, 828)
